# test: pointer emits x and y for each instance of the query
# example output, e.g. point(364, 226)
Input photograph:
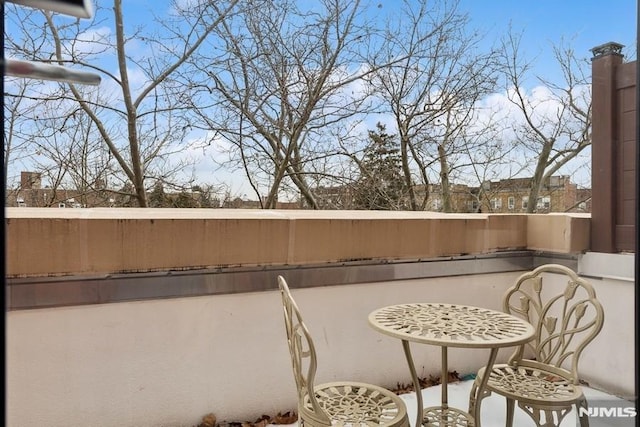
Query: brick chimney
point(30, 180)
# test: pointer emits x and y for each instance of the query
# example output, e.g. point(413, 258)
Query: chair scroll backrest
point(567, 316)
point(302, 352)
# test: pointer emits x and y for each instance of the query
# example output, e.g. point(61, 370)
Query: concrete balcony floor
point(494, 409)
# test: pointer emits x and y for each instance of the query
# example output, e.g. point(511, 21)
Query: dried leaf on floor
point(286, 418)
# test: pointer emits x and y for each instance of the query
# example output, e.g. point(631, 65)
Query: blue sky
point(583, 24)
point(586, 23)
point(593, 21)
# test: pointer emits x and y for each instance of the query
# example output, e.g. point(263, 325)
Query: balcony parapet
point(45, 242)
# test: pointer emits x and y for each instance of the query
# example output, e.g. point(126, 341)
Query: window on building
point(512, 202)
point(544, 202)
point(496, 203)
point(472, 205)
point(437, 204)
point(525, 202)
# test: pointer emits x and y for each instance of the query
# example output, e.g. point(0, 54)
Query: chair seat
point(354, 403)
point(532, 384)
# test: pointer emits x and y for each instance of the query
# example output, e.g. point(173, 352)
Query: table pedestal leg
point(444, 383)
point(416, 381)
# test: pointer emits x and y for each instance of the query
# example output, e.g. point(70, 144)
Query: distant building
point(31, 194)
point(558, 194)
point(338, 197)
point(464, 199)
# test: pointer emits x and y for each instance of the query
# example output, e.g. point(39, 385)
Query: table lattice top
point(451, 325)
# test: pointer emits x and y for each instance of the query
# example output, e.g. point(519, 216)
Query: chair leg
point(510, 410)
point(472, 397)
point(552, 417)
point(475, 402)
point(584, 418)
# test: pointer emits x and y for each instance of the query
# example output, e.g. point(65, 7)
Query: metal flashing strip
point(568, 260)
point(33, 293)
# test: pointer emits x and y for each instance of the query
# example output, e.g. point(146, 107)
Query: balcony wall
point(58, 242)
point(150, 360)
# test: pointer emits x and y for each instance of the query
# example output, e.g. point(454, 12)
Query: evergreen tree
point(184, 200)
point(380, 185)
point(157, 198)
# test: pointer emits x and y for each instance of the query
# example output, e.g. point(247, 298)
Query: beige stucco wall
point(169, 362)
point(556, 232)
point(49, 242)
point(610, 363)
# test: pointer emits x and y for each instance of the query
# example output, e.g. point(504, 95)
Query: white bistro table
point(449, 325)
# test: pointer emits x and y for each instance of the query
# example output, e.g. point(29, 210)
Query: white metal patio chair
point(337, 403)
point(545, 382)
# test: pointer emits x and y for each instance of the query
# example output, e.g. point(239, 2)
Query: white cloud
point(207, 152)
point(93, 41)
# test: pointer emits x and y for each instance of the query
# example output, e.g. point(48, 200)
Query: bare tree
point(432, 91)
point(69, 155)
point(284, 78)
point(16, 144)
point(141, 121)
point(556, 120)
